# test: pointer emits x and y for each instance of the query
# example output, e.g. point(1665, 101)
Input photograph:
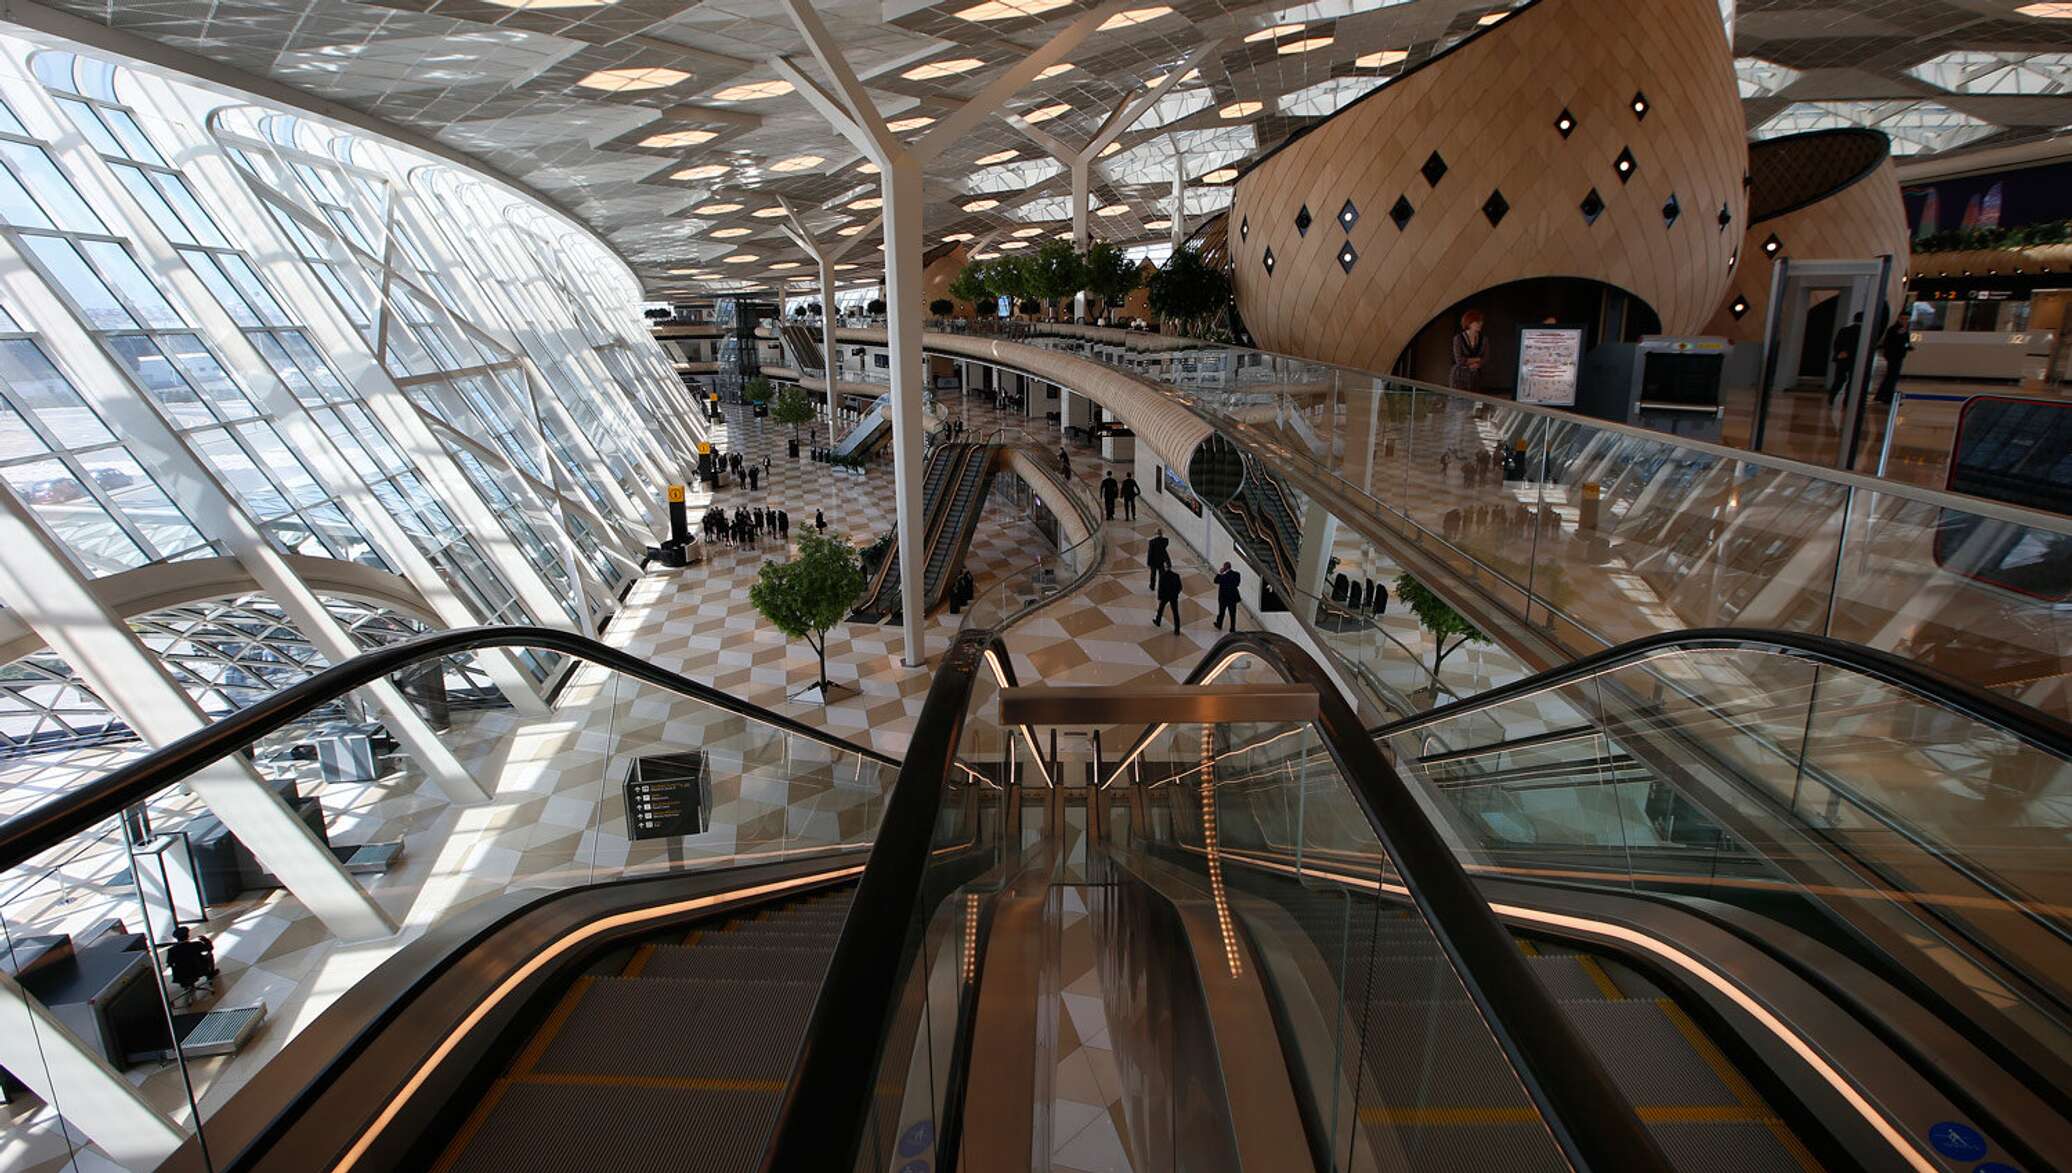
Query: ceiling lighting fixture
point(1490, 18)
point(619, 81)
point(1113, 210)
point(679, 138)
point(981, 205)
point(1025, 233)
point(1155, 82)
point(1220, 175)
point(786, 265)
point(524, 5)
point(995, 157)
point(1009, 9)
point(753, 90)
point(1108, 150)
point(867, 203)
point(1012, 244)
point(1241, 109)
point(851, 230)
point(1304, 45)
point(954, 237)
point(715, 209)
point(730, 233)
point(1046, 113)
point(950, 68)
point(769, 213)
point(683, 272)
point(1158, 223)
point(1279, 30)
point(847, 266)
point(1055, 70)
point(1132, 17)
point(1381, 57)
point(740, 259)
point(867, 167)
point(701, 171)
point(797, 163)
point(2047, 11)
point(915, 123)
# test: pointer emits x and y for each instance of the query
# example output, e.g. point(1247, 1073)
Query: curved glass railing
point(306, 853)
point(1919, 822)
point(1594, 533)
point(1056, 572)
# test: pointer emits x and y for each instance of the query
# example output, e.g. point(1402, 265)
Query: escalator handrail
point(1592, 1120)
point(52, 822)
point(2051, 734)
point(827, 1104)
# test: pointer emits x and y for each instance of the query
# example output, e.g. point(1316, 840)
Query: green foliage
point(808, 595)
point(1188, 290)
point(942, 307)
point(756, 390)
point(1110, 274)
point(1437, 616)
point(793, 407)
point(972, 283)
point(1987, 239)
point(1056, 272)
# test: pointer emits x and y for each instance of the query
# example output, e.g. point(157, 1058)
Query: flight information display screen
point(2017, 452)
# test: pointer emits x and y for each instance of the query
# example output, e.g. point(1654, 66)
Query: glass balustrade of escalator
point(309, 847)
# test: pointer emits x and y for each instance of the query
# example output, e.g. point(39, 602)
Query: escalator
point(871, 432)
point(953, 494)
point(1300, 948)
point(802, 345)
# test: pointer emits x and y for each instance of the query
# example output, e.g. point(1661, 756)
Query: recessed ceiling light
point(981, 205)
point(1010, 9)
point(1065, 235)
point(1241, 109)
point(2047, 11)
point(1025, 233)
point(787, 264)
point(701, 171)
point(1158, 223)
point(1220, 175)
point(715, 209)
point(851, 230)
point(995, 157)
point(1155, 82)
point(1013, 244)
point(1380, 57)
point(1134, 16)
point(1053, 71)
point(954, 237)
point(740, 259)
point(1490, 18)
point(1279, 30)
point(750, 91)
point(679, 138)
point(867, 167)
point(683, 272)
point(619, 81)
point(983, 256)
point(1108, 150)
point(1304, 45)
point(729, 233)
point(950, 68)
point(867, 203)
point(847, 266)
point(797, 163)
point(769, 213)
point(1046, 113)
point(915, 123)
point(1113, 210)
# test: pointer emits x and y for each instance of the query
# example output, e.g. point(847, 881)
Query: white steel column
point(41, 584)
point(79, 1085)
point(825, 255)
point(853, 114)
point(1179, 215)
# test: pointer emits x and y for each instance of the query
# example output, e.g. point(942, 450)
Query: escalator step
point(709, 958)
point(625, 1126)
point(1653, 1060)
point(1573, 977)
point(661, 1028)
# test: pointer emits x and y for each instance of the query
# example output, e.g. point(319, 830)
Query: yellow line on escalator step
point(544, 1037)
point(1599, 978)
point(661, 1082)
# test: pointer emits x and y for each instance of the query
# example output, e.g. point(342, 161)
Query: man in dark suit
point(1109, 492)
point(1158, 558)
point(1226, 596)
point(1847, 339)
point(1168, 596)
point(1130, 493)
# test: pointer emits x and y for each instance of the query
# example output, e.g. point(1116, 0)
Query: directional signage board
point(1549, 359)
point(667, 795)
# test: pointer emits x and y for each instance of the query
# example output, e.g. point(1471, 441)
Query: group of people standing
point(746, 527)
point(747, 470)
point(1166, 584)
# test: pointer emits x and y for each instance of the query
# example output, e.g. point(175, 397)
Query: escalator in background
point(872, 431)
point(881, 596)
point(803, 345)
point(953, 495)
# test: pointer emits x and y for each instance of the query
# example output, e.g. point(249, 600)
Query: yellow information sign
point(675, 494)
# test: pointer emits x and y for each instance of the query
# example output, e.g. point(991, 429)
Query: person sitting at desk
point(191, 959)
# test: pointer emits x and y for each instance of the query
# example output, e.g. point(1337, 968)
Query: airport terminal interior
point(1079, 585)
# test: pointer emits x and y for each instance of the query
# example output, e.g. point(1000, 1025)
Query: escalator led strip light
point(504, 989)
point(1684, 961)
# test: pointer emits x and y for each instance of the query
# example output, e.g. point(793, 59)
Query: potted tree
point(876, 308)
point(795, 408)
point(806, 596)
point(972, 285)
point(1188, 291)
point(757, 392)
point(941, 307)
point(1056, 273)
point(1110, 274)
point(1437, 616)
